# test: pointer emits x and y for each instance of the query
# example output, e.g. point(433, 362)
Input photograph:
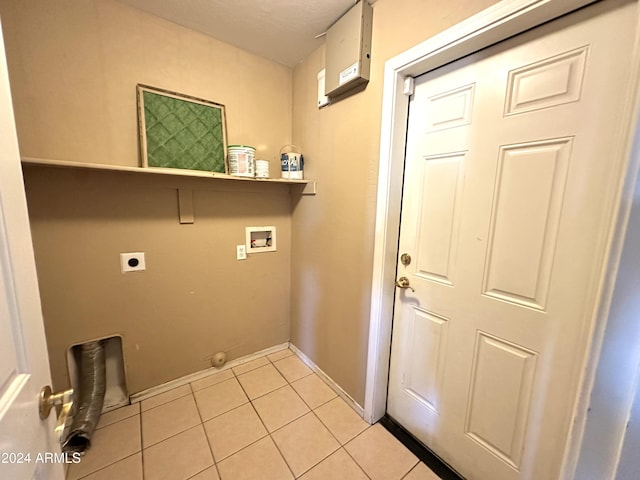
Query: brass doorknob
point(403, 282)
point(63, 400)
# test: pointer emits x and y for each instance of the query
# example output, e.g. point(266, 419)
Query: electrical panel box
point(348, 50)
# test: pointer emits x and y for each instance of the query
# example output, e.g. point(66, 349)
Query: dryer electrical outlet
point(132, 262)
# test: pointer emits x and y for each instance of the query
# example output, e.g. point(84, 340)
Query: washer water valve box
point(261, 239)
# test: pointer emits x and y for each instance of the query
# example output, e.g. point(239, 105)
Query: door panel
point(501, 386)
point(510, 184)
point(24, 364)
point(450, 109)
point(546, 83)
point(425, 358)
point(442, 177)
point(524, 221)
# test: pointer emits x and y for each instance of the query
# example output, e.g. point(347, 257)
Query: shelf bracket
point(309, 189)
point(185, 206)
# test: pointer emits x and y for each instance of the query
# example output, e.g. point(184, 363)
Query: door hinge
point(407, 87)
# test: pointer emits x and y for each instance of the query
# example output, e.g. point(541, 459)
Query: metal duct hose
point(90, 395)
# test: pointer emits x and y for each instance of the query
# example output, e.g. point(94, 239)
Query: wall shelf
point(160, 171)
point(185, 195)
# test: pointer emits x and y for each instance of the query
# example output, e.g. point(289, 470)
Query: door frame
point(498, 22)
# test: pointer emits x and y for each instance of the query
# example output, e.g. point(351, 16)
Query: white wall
point(629, 467)
point(617, 375)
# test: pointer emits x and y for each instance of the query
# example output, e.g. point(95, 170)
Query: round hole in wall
point(133, 262)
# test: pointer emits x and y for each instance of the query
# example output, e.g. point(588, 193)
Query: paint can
point(240, 159)
point(262, 168)
point(291, 163)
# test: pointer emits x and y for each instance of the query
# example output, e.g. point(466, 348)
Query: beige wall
point(332, 233)
point(74, 65)
point(193, 300)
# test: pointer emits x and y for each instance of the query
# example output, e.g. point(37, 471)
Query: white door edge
point(498, 22)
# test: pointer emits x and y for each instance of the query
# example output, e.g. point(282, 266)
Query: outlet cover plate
point(132, 262)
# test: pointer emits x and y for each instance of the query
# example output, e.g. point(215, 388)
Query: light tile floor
point(268, 419)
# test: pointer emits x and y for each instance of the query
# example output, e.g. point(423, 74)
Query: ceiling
point(281, 30)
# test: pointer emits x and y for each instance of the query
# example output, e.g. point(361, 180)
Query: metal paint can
point(291, 163)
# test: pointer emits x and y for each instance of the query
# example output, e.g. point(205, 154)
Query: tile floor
point(268, 419)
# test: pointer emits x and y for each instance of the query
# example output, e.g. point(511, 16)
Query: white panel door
point(510, 181)
point(26, 443)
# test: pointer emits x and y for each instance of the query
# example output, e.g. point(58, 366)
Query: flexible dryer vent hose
point(90, 395)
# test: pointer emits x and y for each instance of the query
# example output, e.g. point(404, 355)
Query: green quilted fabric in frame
point(183, 134)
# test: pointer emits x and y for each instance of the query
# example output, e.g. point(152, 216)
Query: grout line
point(213, 458)
point(176, 433)
point(325, 426)
point(269, 393)
point(303, 400)
point(310, 412)
point(289, 422)
point(169, 437)
point(281, 358)
point(356, 462)
point(243, 448)
point(267, 365)
point(163, 403)
point(321, 404)
point(105, 467)
point(119, 420)
point(88, 452)
point(264, 394)
point(270, 434)
point(250, 369)
point(204, 469)
point(411, 470)
point(180, 433)
point(265, 428)
point(198, 407)
point(354, 458)
point(330, 453)
point(141, 449)
point(282, 455)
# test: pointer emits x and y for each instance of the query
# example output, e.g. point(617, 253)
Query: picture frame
point(181, 131)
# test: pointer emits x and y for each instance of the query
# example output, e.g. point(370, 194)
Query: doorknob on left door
point(48, 400)
point(403, 282)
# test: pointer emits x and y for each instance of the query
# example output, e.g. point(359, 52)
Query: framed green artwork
point(180, 131)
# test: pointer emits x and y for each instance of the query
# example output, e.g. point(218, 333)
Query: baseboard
point(178, 382)
point(328, 380)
